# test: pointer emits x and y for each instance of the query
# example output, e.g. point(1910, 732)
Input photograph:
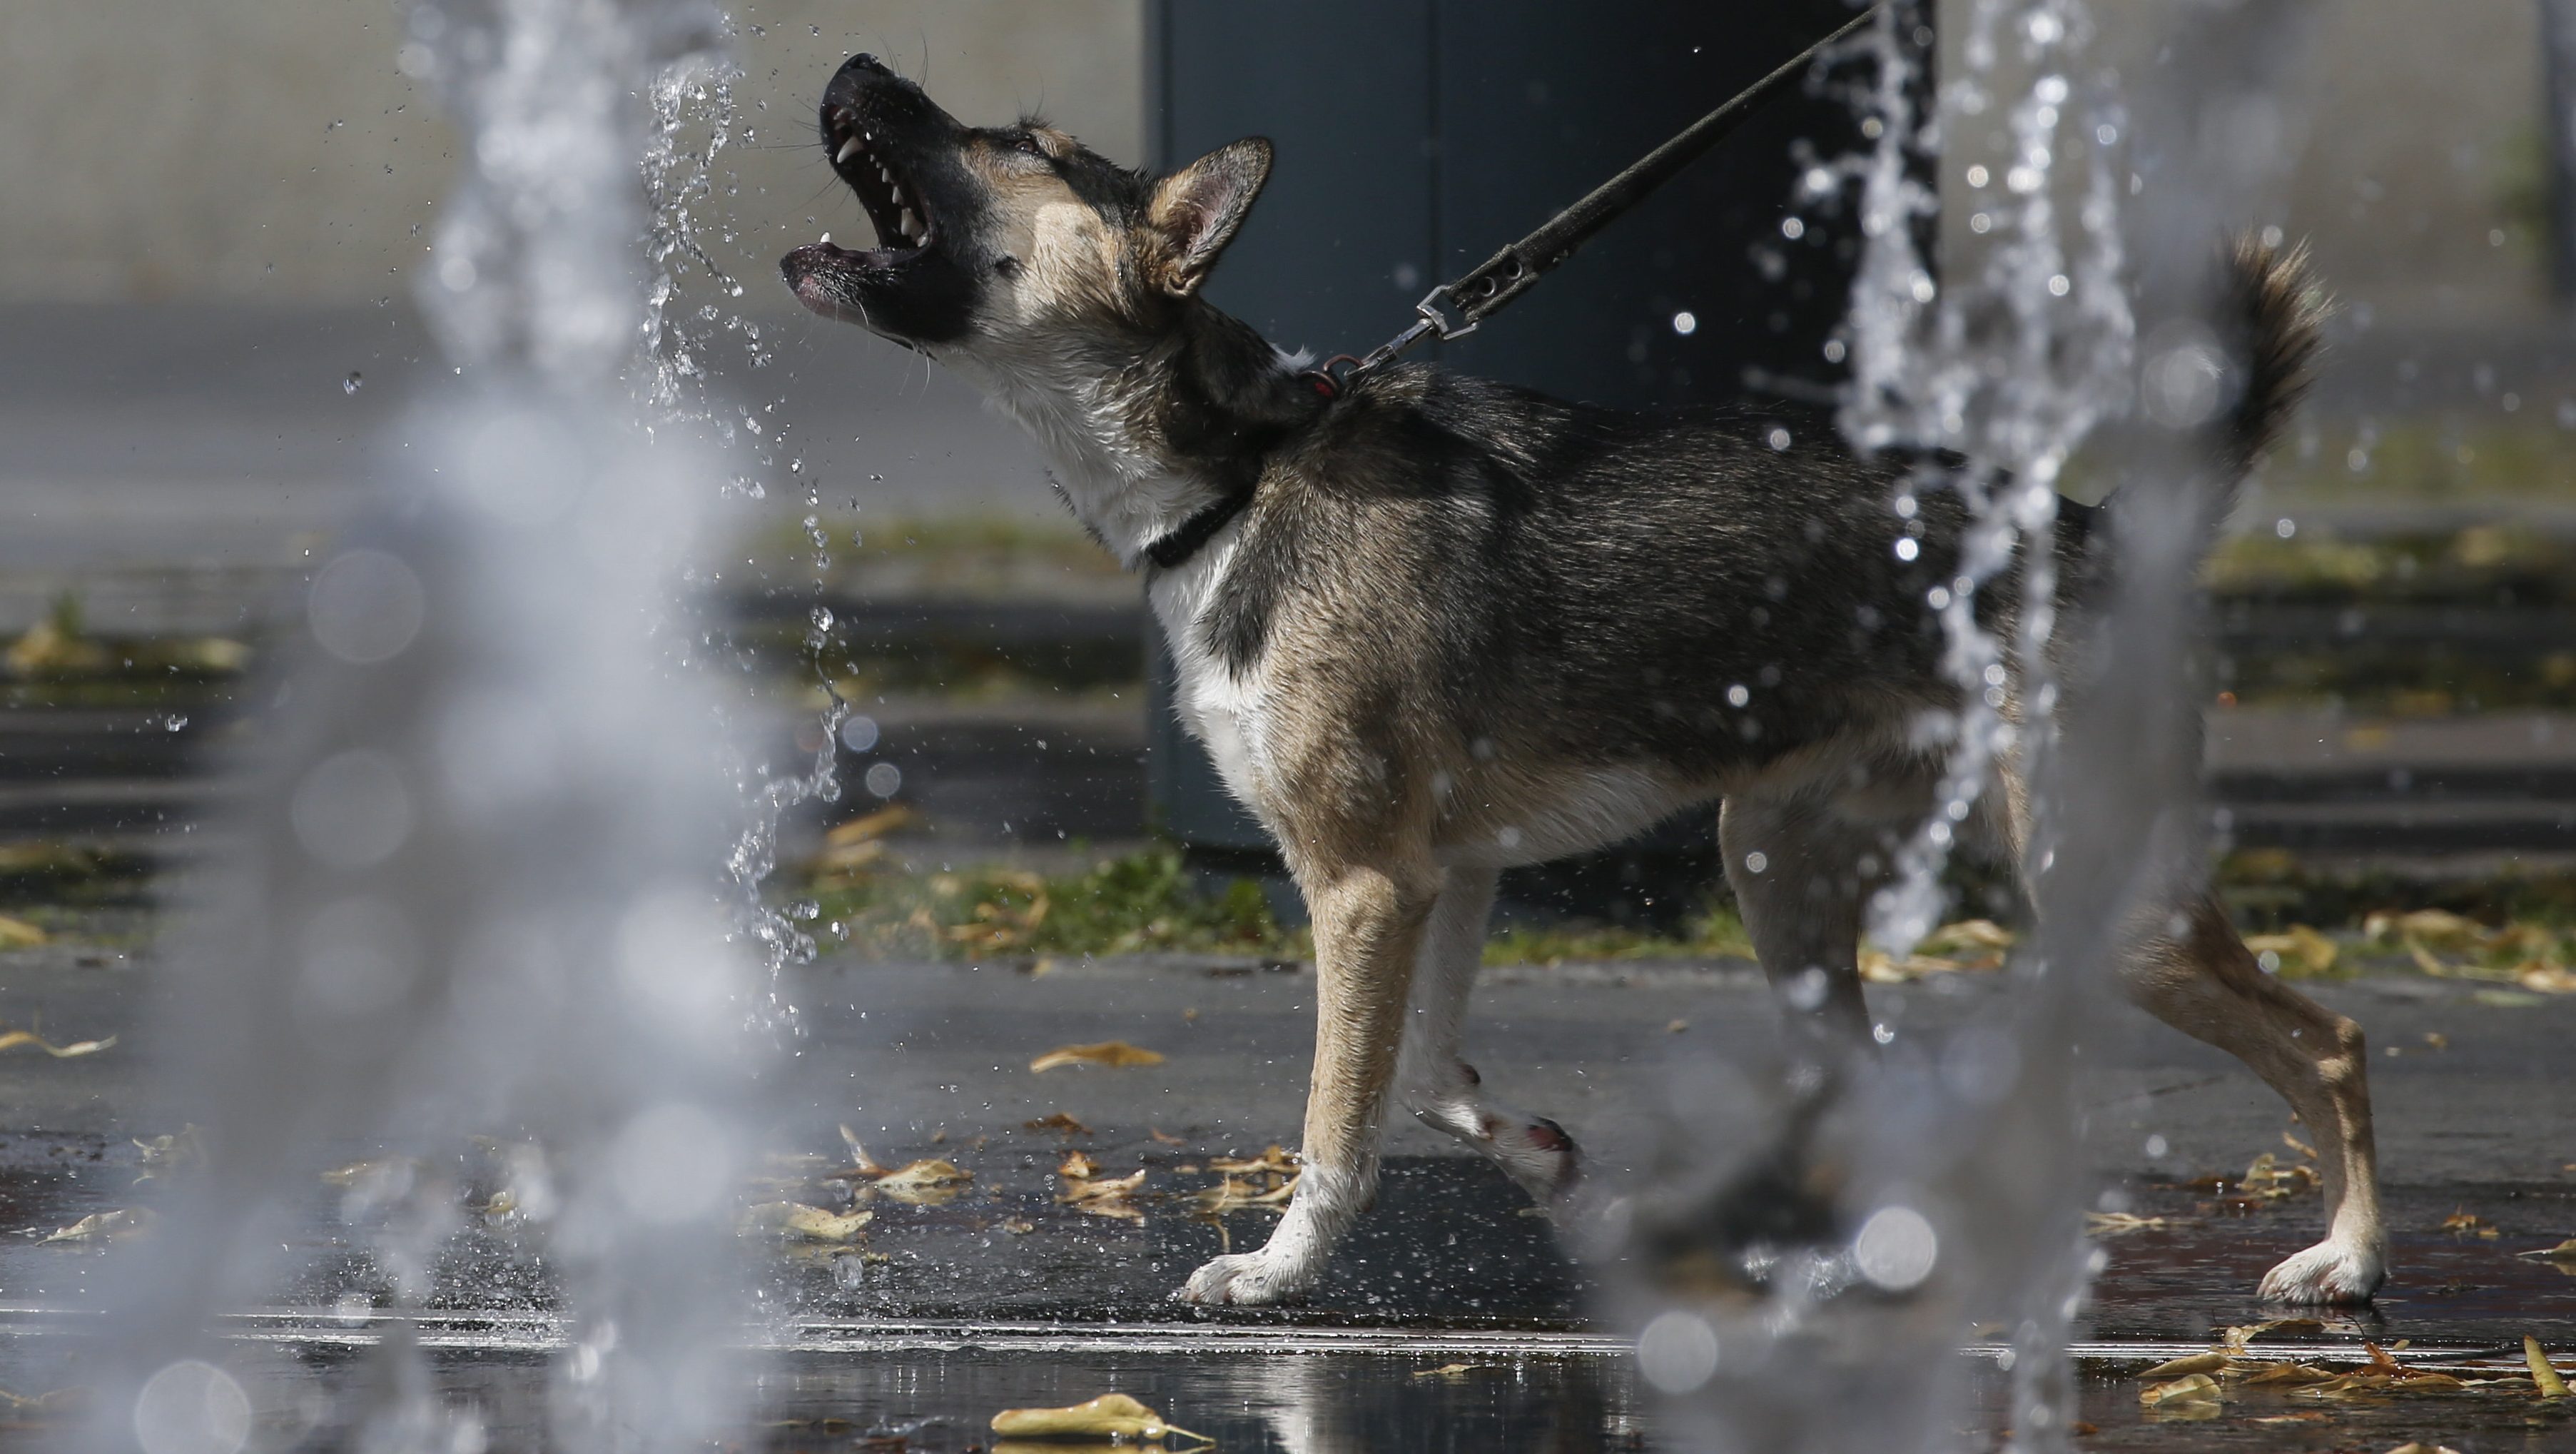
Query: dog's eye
point(1027, 142)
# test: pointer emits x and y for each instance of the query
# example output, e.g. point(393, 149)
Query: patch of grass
point(1141, 903)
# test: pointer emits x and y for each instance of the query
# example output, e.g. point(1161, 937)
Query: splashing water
point(475, 891)
point(695, 118)
point(2010, 370)
point(1832, 1231)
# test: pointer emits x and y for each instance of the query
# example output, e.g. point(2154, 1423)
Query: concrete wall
point(268, 150)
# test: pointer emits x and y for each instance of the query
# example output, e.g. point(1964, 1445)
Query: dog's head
point(994, 241)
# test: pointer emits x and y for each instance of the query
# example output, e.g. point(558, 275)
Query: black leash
point(1506, 275)
point(1494, 283)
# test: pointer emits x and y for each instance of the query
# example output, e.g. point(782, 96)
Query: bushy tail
point(2271, 298)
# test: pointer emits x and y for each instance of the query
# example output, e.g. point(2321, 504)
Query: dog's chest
point(1219, 707)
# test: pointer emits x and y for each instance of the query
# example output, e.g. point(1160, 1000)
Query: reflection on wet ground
point(948, 1309)
point(951, 1304)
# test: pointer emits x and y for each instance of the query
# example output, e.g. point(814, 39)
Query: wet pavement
point(952, 1304)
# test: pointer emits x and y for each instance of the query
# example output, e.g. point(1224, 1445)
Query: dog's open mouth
point(902, 218)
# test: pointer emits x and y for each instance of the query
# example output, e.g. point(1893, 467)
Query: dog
point(1430, 627)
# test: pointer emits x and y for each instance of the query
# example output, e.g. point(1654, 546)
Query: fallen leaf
point(2270, 1180)
point(11, 1040)
point(2543, 1375)
point(19, 934)
point(930, 1171)
point(1018, 1226)
point(163, 1155)
point(2563, 1252)
point(1233, 1195)
point(2438, 928)
point(1107, 1052)
point(2308, 1416)
point(2504, 999)
point(1058, 1122)
point(2288, 1375)
point(382, 1168)
point(868, 829)
point(1110, 1416)
point(1446, 1370)
point(51, 1401)
point(1676, 1027)
point(1967, 934)
point(1105, 1189)
point(2297, 952)
point(1272, 1159)
point(799, 1222)
point(2236, 1339)
point(2465, 1221)
point(2209, 1362)
point(2197, 1388)
point(1162, 1140)
point(1077, 1166)
point(2114, 1224)
point(116, 1226)
point(2548, 979)
point(2436, 1040)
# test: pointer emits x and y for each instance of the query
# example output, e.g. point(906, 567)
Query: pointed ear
point(1199, 207)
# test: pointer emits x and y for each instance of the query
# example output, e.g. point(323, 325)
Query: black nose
point(868, 63)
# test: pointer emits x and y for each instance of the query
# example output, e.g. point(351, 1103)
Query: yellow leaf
point(1446, 1370)
point(15, 1038)
point(2113, 1224)
point(116, 1226)
point(2548, 979)
point(870, 828)
point(383, 1167)
point(1107, 1052)
point(1110, 1416)
point(2209, 1362)
point(2300, 950)
point(19, 934)
point(2543, 1376)
point(1078, 1166)
point(1107, 1189)
point(1272, 1159)
point(2563, 1252)
point(1232, 1195)
point(927, 1172)
point(2197, 1388)
point(2276, 1375)
point(799, 1222)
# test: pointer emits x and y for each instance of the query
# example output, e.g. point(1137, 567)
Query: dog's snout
point(866, 64)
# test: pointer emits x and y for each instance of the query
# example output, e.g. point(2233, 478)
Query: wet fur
point(1462, 626)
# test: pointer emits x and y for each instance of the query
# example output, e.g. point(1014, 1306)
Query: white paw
point(2326, 1274)
point(1245, 1280)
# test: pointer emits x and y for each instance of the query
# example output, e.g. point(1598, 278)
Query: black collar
point(1170, 552)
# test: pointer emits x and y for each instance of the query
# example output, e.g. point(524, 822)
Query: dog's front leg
point(1368, 924)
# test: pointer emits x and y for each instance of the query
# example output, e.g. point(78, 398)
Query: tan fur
point(1335, 725)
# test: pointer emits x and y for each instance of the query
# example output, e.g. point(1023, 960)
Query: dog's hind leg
point(1795, 863)
point(1369, 922)
point(2196, 975)
point(1437, 1085)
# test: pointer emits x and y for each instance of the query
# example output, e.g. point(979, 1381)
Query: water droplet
point(353, 382)
point(884, 779)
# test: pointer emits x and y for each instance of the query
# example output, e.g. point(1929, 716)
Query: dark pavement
point(1003, 1295)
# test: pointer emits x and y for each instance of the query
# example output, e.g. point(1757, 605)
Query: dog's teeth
point(827, 239)
point(848, 149)
point(911, 226)
point(897, 189)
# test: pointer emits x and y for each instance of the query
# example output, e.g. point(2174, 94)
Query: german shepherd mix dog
point(1431, 627)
